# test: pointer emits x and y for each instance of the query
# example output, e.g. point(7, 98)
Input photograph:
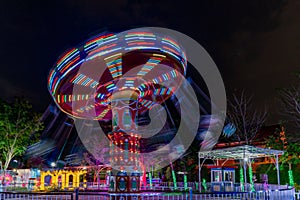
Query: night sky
point(255, 43)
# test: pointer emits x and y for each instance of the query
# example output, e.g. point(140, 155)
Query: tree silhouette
point(290, 108)
point(245, 118)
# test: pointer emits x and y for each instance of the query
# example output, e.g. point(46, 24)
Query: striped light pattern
point(110, 48)
point(83, 80)
point(129, 83)
point(114, 64)
point(151, 63)
point(103, 113)
point(146, 103)
point(166, 76)
point(162, 91)
point(111, 87)
point(66, 98)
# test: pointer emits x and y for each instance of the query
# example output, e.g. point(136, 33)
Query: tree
point(18, 123)
point(278, 140)
point(246, 119)
point(291, 149)
point(290, 106)
point(291, 154)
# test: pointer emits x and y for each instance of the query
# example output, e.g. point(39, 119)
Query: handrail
point(287, 193)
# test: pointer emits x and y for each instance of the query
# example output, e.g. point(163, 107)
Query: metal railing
point(164, 188)
point(261, 195)
point(132, 196)
point(237, 188)
point(285, 194)
point(36, 196)
point(297, 195)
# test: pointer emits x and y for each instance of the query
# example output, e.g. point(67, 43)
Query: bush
point(19, 189)
point(53, 188)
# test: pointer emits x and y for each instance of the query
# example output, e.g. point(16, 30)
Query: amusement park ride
point(131, 84)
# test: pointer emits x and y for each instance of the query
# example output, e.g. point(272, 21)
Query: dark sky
point(255, 43)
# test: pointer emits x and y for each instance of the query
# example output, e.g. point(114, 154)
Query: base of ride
point(133, 196)
point(122, 183)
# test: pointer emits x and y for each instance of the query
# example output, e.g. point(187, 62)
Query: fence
point(237, 188)
point(36, 196)
point(297, 195)
point(165, 188)
point(286, 194)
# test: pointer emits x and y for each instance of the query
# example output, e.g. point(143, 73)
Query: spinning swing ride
point(128, 85)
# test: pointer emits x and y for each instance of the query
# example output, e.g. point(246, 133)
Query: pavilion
point(244, 154)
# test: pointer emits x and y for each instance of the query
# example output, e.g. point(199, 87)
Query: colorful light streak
point(115, 67)
point(70, 54)
point(110, 47)
point(81, 79)
point(146, 103)
point(151, 63)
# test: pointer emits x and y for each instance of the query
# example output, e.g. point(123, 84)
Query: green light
point(204, 184)
point(174, 180)
point(291, 178)
point(150, 180)
point(126, 149)
point(242, 179)
point(185, 181)
point(251, 179)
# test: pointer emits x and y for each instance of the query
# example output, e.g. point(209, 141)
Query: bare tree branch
point(246, 119)
point(290, 106)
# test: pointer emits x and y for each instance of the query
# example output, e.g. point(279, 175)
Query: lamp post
point(53, 164)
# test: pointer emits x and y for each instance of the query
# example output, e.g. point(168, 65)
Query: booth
point(222, 179)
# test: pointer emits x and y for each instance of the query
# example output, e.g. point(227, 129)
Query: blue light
point(229, 130)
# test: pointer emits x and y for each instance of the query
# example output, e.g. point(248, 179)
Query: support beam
point(277, 167)
point(245, 173)
point(251, 176)
point(199, 173)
